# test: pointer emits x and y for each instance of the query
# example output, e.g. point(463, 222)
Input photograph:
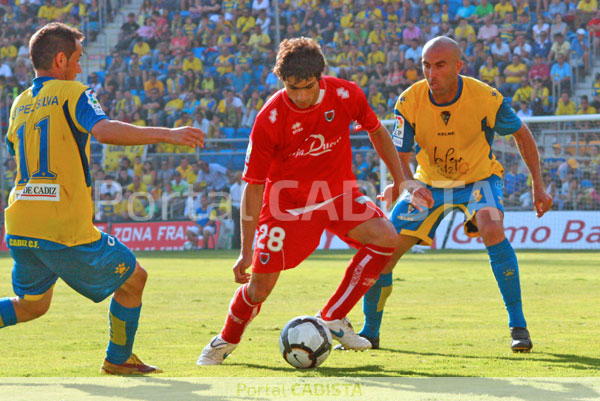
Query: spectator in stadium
point(524, 93)
point(561, 74)
point(524, 110)
point(594, 29)
point(464, 30)
point(540, 98)
point(580, 51)
point(488, 72)
point(565, 106)
point(585, 12)
point(165, 172)
point(540, 26)
point(557, 7)
point(500, 51)
point(559, 46)
point(483, 9)
point(539, 70)
point(542, 46)
point(502, 8)
point(128, 33)
point(513, 74)
point(559, 26)
point(514, 184)
point(214, 174)
point(523, 50)
point(67, 244)
point(466, 11)
point(584, 108)
point(414, 215)
point(488, 31)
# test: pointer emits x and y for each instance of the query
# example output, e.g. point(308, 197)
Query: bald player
point(452, 120)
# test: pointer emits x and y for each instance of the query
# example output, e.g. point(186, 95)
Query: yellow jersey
point(453, 140)
point(50, 206)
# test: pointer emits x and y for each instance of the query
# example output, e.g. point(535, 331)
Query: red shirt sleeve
point(363, 113)
point(260, 152)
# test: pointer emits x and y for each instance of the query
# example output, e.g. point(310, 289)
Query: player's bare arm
point(382, 142)
point(250, 210)
point(120, 133)
point(528, 150)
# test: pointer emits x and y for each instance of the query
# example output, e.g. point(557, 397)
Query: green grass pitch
point(445, 317)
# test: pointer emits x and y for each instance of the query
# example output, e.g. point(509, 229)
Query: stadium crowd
point(207, 64)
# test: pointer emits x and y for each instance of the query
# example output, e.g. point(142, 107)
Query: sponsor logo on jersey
point(343, 93)
point(445, 116)
point(297, 127)
point(43, 192)
point(329, 115)
point(93, 102)
point(273, 116)
point(317, 147)
point(398, 134)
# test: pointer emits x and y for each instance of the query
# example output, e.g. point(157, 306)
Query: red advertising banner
point(146, 236)
point(152, 236)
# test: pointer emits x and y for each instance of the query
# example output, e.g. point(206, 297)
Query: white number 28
point(275, 238)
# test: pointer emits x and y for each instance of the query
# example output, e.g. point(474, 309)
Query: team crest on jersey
point(264, 257)
point(329, 115)
point(343, 93)
point(273, 116)
point(494, 94)
point(93, 102)
point(445, 116)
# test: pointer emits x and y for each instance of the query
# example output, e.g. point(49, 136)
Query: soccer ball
point(187, 245)
point(305, 342)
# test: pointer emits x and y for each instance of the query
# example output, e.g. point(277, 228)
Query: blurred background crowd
point(208, 64)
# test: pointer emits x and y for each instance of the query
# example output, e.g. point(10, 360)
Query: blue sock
point(123, 325)
point(8, 316)
point(373, 303)
point(506, 270)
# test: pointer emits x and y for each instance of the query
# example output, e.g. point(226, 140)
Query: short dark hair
point(301, 58)
point(50, 40)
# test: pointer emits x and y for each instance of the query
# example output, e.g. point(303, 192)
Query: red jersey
point(307, 146)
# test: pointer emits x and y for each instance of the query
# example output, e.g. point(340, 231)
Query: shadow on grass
point(571, 361)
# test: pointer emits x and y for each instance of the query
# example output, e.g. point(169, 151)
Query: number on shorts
point(275, 241)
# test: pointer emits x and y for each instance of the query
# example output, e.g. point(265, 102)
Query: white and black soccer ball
point(305, 342)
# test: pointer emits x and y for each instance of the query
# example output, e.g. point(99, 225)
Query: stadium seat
point(229, 132)
point(100, 76)
point(242, 132)
point(184, 14)
point(108, 62)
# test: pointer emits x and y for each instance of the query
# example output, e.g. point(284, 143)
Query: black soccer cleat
point(521, 342)
point(374, 343)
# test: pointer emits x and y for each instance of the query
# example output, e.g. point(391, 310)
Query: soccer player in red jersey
point(300, 183)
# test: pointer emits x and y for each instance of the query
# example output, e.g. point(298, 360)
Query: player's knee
point(135, 284)
point(32, 309)
point(386, 235)
point(258, 294)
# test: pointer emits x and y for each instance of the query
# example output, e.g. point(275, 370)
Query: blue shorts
point(473, 197)
point(94, 270)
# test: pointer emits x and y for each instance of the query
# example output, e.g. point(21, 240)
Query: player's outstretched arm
point(382, 142)
point(119, 133)
point(250, 210)
point(528, 150)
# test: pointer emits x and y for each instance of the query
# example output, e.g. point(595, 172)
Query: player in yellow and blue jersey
point(48, 220)
point(451, 121)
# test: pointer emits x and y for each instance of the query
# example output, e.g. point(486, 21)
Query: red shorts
point(285, 238)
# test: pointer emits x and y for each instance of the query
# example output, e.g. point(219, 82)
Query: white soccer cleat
point(342, 331)
point(215, 352)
